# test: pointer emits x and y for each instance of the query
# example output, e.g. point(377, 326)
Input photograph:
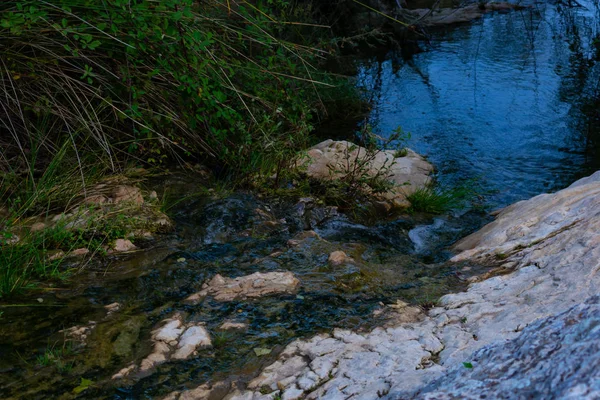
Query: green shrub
point(154, 81)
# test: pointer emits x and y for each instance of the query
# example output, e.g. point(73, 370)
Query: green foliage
point(220, 339)
point(56, 356)
point(355, 172)
point(29, 259)
point(437, 200)
point(155, 81)
point(400, 139)
point(354, 176)
point(21, 262)
point(84, 385)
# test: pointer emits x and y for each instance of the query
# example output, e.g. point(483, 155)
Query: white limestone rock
point(246, 287)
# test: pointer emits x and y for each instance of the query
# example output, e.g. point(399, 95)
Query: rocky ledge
point(532, 332)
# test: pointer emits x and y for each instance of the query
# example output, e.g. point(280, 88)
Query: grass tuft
point(437, 200)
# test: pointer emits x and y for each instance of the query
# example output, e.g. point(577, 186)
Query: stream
point(503, 102)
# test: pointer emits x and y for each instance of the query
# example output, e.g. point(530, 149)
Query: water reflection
point(506, 100)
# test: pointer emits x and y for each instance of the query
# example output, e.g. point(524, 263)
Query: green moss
point(128, 336)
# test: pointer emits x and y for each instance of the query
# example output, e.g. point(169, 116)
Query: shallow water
point(504, 100)
point(233, 236)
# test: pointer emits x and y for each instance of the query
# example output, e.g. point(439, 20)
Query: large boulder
point(557, 357)
point(331, 160)
point(545, 218)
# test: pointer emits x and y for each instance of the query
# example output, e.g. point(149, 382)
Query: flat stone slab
point(246, 287)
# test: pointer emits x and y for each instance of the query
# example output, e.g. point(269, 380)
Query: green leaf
point(468, 365)
point(261, 351)
point(94, 44)
point(84, 385)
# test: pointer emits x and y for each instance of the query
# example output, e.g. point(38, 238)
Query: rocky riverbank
point(530, 330)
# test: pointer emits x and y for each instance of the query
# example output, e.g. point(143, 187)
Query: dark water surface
point(505, 100)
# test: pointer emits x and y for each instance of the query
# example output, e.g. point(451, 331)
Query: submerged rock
point(338, 258)
point(79, 334)
point(505, 337)
point(245, 287)
point(231, 325)
point(301, 237)
point(112, 308)
point(330, 160)
point(173, 340)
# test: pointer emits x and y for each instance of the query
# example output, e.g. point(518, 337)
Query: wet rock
point(232, 325)
point(509, 327)
point(129, 333)
point(122, 245)
point(112, 308)
point(246, 287)
point(338, 258)
point(310, 214)
point(204, 392)
point(79, 334)
point(329, 160)
point(402, 313)
point(301, 237)
point(173, 340)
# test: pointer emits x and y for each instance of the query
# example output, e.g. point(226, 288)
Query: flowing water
point(504, 100)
